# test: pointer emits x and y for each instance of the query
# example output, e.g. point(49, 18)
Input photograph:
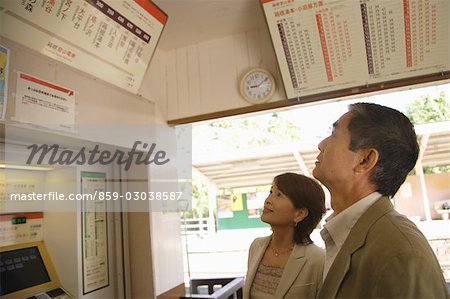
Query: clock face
point(257, 86)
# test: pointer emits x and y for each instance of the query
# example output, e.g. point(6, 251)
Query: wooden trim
point(349, 92)
point(175, 292)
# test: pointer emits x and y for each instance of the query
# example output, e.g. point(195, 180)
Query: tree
point(254, 131)
point(426, 110)
point(199, 206)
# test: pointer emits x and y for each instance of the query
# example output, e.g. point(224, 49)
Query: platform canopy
point(258, 166)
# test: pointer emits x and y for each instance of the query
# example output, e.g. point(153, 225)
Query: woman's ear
point(300, 214)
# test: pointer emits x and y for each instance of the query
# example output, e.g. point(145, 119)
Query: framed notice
point(329, 45)
point(4, 60)
point(94, 233)
point(113, 40)
point(44, 103)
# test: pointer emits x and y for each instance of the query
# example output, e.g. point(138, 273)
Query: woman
point(287, 264)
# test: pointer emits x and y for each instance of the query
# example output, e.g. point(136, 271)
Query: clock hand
point(262, 82)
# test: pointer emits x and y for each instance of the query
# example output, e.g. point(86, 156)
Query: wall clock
point(257, 86)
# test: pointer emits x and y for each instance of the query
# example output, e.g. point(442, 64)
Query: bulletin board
point(113, 40)
point(325, 46)
point(243, 210)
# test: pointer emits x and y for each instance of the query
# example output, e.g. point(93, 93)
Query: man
point(371, 250)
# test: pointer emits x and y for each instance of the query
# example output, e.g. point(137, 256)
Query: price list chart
point(113, 40)
point(324, 46)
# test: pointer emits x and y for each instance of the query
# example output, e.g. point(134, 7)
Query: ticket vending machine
point(26, 271)
point(97, 248)
point(58, 249)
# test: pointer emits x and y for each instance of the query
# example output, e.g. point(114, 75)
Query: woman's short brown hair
point(303, 192)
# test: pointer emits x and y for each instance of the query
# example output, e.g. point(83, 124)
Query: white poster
point(113, 40)
point(44, 103)
point(328, 45)
point(95, 234)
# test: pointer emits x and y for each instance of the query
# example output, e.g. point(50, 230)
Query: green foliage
point(252, 131)
point(437, 169)
point(199, 201)
point(426, 109)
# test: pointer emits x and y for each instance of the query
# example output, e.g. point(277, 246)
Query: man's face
point(335, 162)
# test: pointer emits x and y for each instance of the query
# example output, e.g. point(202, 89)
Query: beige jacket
point(384, 256)
point(302, 275)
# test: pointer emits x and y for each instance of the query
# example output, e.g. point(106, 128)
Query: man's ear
point(368, 158)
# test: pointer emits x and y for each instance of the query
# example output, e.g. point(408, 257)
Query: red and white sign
point(44, 103)
point(113, 40)
point(324, 45)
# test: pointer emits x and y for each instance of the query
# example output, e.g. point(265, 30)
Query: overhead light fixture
point(23, 167)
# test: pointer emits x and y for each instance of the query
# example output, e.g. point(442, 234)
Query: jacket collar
point(355, 240)
point(294, 265)
point(254, 263)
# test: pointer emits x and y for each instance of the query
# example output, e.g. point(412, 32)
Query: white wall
point(98, 102)
point(167, 252)
point(204, 77)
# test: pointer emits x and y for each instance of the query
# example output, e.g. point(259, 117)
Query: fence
point(195, 226)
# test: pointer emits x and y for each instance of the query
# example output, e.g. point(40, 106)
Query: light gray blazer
point(302, 275)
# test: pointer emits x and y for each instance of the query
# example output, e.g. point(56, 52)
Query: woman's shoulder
point(312, 250)
point(260, 240)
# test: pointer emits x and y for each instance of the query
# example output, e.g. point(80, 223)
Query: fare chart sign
point(323, 46)
point(113, 40)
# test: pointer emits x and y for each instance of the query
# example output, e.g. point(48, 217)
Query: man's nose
point(322, 144)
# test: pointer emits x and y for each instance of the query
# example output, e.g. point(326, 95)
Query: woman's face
point(279, 209)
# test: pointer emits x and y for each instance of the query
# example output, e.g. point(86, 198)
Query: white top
point(338, 226)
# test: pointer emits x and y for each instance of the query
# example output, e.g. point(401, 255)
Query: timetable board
point(113, 40)
point(329, 45)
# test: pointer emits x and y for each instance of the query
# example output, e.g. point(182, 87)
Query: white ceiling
point(195, 21)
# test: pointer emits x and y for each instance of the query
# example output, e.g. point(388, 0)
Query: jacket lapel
point(335, 275)
point(354, 241)
point(294, 265)
point(254, 263)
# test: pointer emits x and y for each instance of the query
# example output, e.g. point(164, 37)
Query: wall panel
point(193, 79)
point(212, 72)
point(172, 91)
point(182, 80)
point(241, 53)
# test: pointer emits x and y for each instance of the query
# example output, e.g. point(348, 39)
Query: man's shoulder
point(397, 231)
point(315, 254)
